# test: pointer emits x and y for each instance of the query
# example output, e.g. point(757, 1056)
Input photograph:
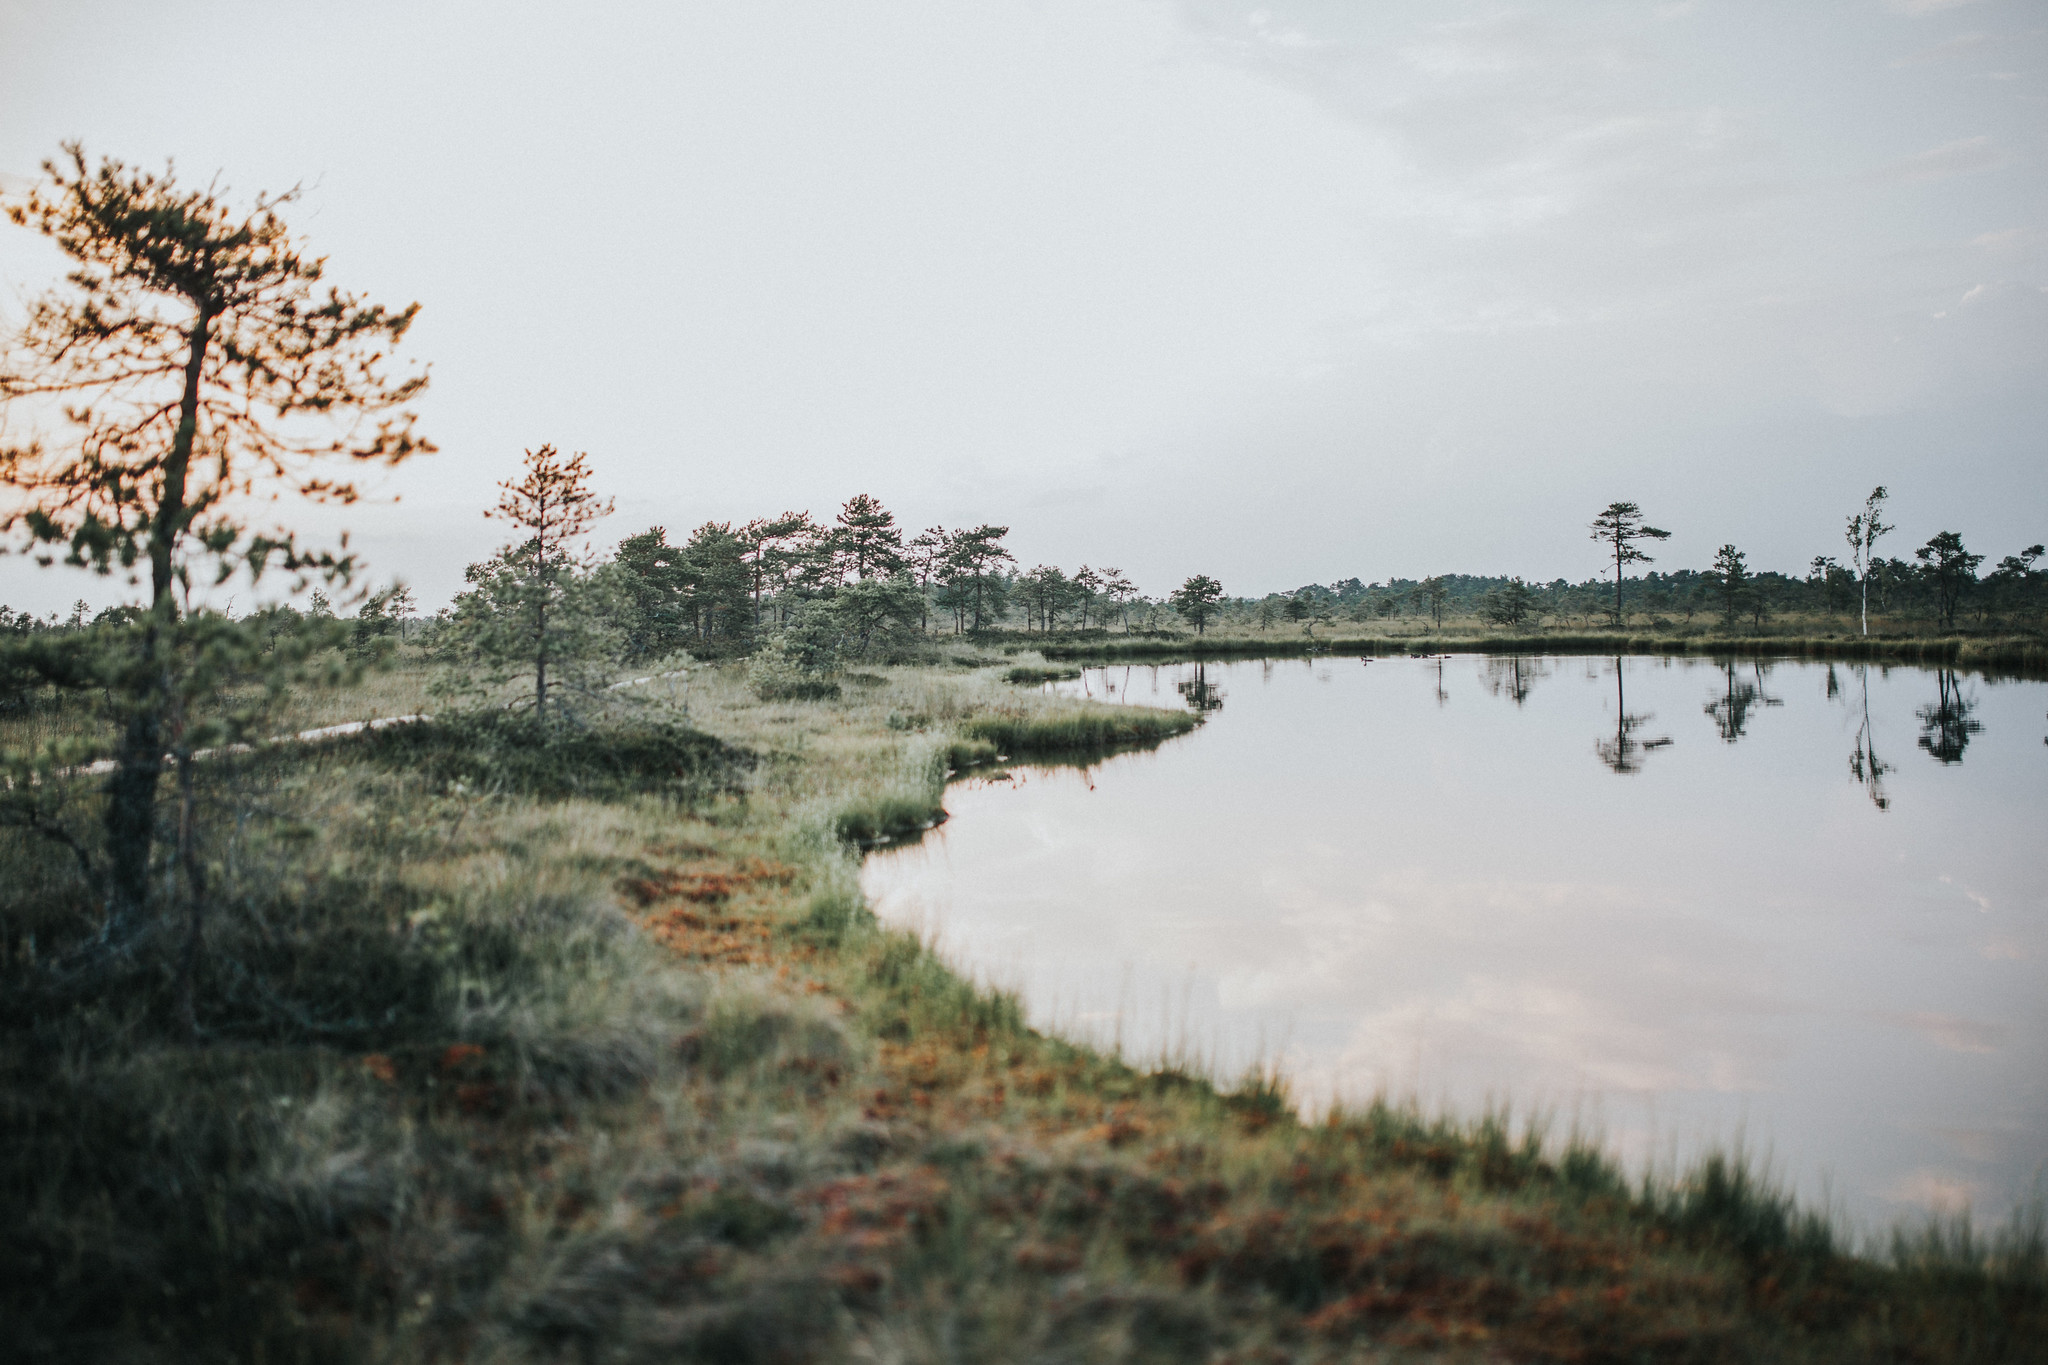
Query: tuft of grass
point(1078, 732)
point(1951, 1248)
point(1027, 676)
point(871, 821)
point(1262, 1099)
point(963, 754)
point(1725, 1201)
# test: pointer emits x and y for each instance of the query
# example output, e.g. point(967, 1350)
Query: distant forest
point(861, 586)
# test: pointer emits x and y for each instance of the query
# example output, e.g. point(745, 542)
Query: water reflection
point(1197, 691)
point(1864, 764)
point(1622, 751)
point(1513, 676)
point(1946, 726)
point(1731, 708)
point(1749, 947)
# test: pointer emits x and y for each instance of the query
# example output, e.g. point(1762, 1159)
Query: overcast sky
point(1281, 293)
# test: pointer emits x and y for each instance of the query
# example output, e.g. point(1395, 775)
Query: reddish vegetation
point(677, 907)
point(706, 885)
point(1315, 1236)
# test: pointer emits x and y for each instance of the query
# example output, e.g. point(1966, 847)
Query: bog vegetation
point(543, 1020)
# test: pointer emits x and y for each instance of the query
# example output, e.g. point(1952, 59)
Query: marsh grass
point(887, 819)
point(1030, 676)
point(1076, 732)
point(506, 1068)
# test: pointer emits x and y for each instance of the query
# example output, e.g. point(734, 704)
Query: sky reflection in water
point(1675, 901)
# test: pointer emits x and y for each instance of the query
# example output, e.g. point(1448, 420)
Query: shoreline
point(2024, 656)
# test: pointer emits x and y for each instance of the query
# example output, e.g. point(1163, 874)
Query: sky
point(1282, 293)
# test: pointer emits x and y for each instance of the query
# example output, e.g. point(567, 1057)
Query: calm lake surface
point(1677, 903)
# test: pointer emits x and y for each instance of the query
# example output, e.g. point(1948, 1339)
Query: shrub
point(504, 751)
point(798, 689)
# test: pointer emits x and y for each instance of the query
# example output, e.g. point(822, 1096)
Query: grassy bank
point(2014, 653)
point(511, 1048)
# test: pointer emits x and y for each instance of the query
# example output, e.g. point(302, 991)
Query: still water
point(1678, 903)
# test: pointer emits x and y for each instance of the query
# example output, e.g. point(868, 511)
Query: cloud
point(1960, 45)
point(1956, 1035)
point(1261, 23)
point(1961, 157)
point(1936, 1190)
point(2008, 239)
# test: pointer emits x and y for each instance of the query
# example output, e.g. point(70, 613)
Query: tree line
point(1940, 585)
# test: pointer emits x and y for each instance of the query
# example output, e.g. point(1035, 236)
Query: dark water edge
point(2013, 657)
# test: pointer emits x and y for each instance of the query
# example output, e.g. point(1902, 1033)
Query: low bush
point(798, 689)
point(513, 753)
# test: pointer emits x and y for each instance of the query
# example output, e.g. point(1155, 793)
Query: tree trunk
point(130, 818)
point(1617, 580)
point(131, 813)
point(195, 897)
point(540, 659)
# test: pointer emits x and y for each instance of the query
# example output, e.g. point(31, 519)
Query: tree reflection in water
point(1864, 764)
point(1513, 675)
point(1946, 726)
point(1199, 693)
point(1624, 752)
point(1731, 709)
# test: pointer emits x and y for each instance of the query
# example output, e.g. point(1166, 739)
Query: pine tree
point(1621, 525)
point(527, 609)
point(866, 543)
point(197, 365)
point(1730, 575)
point(1952, 569)
point(973, 563)
point(1119, 590)
point(1196, 600)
